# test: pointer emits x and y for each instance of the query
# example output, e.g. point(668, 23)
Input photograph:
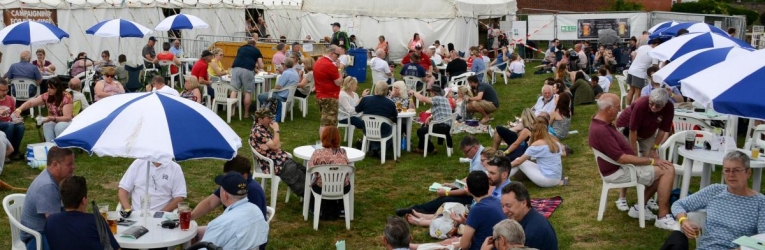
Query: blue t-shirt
point(477, 67)
point(482, 218)
point(75, 230)
point(246, 57)
point(289, 77)
point(255, 194)
point(413, 69)
point(24, 70)
point(539, 233)
point(500, 60)
point(43, 198)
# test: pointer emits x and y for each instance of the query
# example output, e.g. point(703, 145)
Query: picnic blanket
point(546, 206)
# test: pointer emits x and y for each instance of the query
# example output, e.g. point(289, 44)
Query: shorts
point(328, 108)
point(635, 81)
point(644, 144)
point(243, 78)
point(486, 106)
point(645, 175)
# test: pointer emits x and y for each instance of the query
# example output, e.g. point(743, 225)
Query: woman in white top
point(305, 86)
point(348, 100)
point(548, 169)
point(516, 68)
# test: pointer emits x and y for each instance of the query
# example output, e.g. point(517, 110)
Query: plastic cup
point(111, 219)
point(755, 152)
point(103, 208)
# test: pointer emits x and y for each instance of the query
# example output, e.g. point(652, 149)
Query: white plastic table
point(305, 152)
point(407, 116)
point(157, 237)
point(760, 237)
point(711, 158)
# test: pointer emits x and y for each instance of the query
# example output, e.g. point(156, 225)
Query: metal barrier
point(192, 48)
point(725, 22)
point(317, 49)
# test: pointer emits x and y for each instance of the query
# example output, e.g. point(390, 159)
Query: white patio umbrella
point(694, 62)
point(31, 33)
point(681, 45)
point(118, 28)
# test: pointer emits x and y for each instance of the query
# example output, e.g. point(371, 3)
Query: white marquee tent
point(453, 21)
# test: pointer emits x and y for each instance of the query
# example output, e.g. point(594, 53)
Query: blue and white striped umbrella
point(181, 22)
point(118, 28)
point(691, 27)
point(661, 26)
point(151, 126)
point(694, 62)
point(733, 87)
point(679, 46)
point(31, 33)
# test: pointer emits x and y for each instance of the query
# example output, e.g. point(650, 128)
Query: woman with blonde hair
point(400, 94)
point(460, 104)
point(191, 89)
point(348, 100)
point(305, 86)
point(215, 67)
point(517, 136)
point(547, 171)
point(109, 86)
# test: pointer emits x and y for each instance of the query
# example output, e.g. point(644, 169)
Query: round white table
point(711, 158)
point(408, 117)
point(760, 237)
point(305, 152)
point(157, 237)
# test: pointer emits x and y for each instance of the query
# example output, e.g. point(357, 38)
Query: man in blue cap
point(242, 225)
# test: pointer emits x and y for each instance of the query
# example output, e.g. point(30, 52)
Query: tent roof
point(77, 4)
point(413, 9)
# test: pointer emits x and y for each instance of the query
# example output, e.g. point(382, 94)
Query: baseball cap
point(151, 38)
point(437, 90)
point(336, 24)
point(233, 182)
point(432, 47)
point(264, 112)
point(418, 46)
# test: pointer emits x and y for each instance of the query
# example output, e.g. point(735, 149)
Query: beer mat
point(746, 241)
point(171, 216)
point(547, 206)
point(134, 232)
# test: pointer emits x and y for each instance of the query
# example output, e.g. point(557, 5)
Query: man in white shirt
point(158, 84)
point(637, 77)
point(437, 60)
point(545, 102)
point(75, 85)
point(582, 56)
point(380, 68)
point(166, 184)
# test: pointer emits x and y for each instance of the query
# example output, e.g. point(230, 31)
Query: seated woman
point(306, 84)
point(561, 73)
point(215, 67)
point(440, 110)
point(516, 136)
point(733, 210)
point(59, 104)
point(45, 66)
point(166, 55)
point(191, 89)
point(560, 88)
point(347, 102)
point(109, 86)
point(460, 104)
point(582, 90)
point(516, 68)
point(560, 119)
point(80, 64)
point(105, 60)
point(399, 94)
point(548, 169)
point(330, 154)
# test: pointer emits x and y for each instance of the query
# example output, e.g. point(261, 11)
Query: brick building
point(528, 6)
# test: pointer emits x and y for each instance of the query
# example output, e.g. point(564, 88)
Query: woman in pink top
point(416, 40)
point(330, 154)
point(108, 86)
point(59, 104)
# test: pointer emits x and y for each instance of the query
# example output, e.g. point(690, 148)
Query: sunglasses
point(110, 76)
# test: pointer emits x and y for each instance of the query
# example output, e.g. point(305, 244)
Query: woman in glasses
point(547, 171)
point(109, 86)
point(732, 210)
point(59, 104)
point(105, 60)
point(45, 66)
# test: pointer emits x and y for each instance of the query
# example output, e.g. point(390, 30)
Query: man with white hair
point(380, 68)
point(396, 235)
point(545, 102)
point(508, 235)
point(24, 69)
point(582, 63)
point(656, 174)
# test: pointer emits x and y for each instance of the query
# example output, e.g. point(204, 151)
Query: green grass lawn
point(383, 188)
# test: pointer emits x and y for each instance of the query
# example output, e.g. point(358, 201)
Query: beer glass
point(111, 219)
point(185, 215)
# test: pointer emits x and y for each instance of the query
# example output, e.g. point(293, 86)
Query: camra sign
point(11, 16)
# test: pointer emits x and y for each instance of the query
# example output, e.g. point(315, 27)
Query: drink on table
point(398, 106)
point(690, 140)
point(755, 152)
point(185, 215)
point(103, 208)
point(111, 219)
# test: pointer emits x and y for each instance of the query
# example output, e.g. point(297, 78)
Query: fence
point(192, 48)
point(721, 21)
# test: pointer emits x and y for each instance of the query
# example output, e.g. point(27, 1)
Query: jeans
point(14, 132)
point(509, 137)
point(32, 243)
point(262, 97)
point(439, 129)
point(431, 207)
point(51, 130)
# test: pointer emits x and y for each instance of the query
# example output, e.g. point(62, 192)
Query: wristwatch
point(276, 131)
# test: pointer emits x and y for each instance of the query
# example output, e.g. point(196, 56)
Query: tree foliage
point(622, 5)
point(715, 7)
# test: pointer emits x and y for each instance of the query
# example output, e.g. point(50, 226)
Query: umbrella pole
point(145, 200)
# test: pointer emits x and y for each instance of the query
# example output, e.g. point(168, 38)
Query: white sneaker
point(667, 222)
point(621, 204)
point(651, 203)
point(634, 213)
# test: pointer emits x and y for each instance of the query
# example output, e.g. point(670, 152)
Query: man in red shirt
point(424, 59)
point(648, 121)
point(327, 82)
point(656, 174)
point(200, 68)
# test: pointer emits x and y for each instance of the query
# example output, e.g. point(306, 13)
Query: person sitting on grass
point(597, 90)
point(516, 137)
point(723, 225)
point(486, 213)
point(547, 171)
point(396, 235)
point(508, 235)
point(582, 90)
point(560, 119)
point(516, 204)
point(485, 101)
point(545, 102)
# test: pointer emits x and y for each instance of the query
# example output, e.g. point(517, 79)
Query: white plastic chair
point(303, 102)
point(633, 183)
point(373, 132)
point(622, 82)
point(332, 188)
point(147, 70)
point(411, 83)
point(270, 211)
point(258, 173)
point(668, 151)
point(683, 123)
point(501, 72)
point(449, 121)
point(13, 205)
point(168, 63)
point(460, 80)
point(348, 126)
point(222, 98)
point(22, 92)
point(287, 104)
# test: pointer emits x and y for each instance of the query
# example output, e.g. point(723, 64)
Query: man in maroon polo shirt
point(656, 174)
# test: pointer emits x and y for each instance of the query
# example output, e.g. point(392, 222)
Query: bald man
point(24, 70)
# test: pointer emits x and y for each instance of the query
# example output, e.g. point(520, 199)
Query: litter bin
point(359, 67)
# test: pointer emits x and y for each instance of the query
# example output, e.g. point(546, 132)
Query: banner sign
point(11, 16)
point(588, 28)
